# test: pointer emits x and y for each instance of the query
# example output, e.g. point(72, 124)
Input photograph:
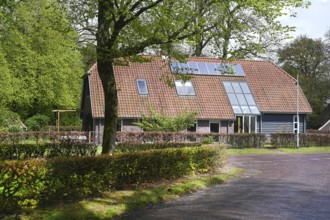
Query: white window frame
point(295, 122)
point(176, 82)
point(138, 87)
point(243, 121)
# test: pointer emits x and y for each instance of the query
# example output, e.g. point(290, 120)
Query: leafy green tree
point(157, 122)
point(6, 82)
point(127, 28)
point(88, 52)
point(243, 28)
point(40, 48)
point(309, 58)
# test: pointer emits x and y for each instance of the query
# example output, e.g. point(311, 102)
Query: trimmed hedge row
point(16, 137)
point(26, 184)
point(160, 137)
point(305, 140)
point(233, 140)
point(48, 150)
point(131, 147)
point(246, 140)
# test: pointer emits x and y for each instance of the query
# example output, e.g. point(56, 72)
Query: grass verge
point(306, 150)
point(302, 150)
point(250, 151)
point(116, 203)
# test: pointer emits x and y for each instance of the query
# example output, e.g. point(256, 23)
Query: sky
point(313, 21)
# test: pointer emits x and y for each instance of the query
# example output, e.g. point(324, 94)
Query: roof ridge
point(89, 72)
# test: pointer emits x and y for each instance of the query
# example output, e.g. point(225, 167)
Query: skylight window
point(240, 98)
point(142, 86)
point(184, 88)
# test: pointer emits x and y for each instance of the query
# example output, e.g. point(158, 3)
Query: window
point(295, 124)
point(184, 88)
point(241, 98)
point(129, 122)
point(245, 124)
point(142, 86)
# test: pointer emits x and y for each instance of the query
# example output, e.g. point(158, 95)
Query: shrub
point(14, 129)
point(289, 140)
point(21, 185)
point(25, 184)
point(9, 120)
point(246, 140)
point(157, 122)
point(69, 136)
point(208, 140)
point(25, 151)
point(130, 147)
point(155, 137)
point(37, 122)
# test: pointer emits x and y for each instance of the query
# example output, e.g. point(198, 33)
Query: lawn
point(306, 150)
point(250, 151)
point(115, 203)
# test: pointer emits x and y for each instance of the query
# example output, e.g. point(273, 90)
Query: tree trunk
point(198, 48)
point(106, 73)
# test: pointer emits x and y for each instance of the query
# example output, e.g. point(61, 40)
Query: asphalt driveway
point(274, 187)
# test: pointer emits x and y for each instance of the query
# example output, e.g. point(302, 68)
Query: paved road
point(274, 187)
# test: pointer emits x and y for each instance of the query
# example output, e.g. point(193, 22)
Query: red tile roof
point(274, 90)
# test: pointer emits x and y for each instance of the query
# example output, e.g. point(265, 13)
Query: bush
point(156, 137)
point(25, 151)
point(37, 122)
point(69, 136)
point(246, 140)
point(289, 140)
point(9, 120)
point(25, 184)
point(21, 185)
point(14, 129)
point(131, 147)
point(208, 140)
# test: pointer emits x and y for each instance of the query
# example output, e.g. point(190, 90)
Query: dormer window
point(142, 86)
point(184, 88)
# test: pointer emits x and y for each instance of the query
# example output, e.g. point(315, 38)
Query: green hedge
point(246, 140)
point(289, 140)
point(25, 151)
point(132, 147)
point(26, 184)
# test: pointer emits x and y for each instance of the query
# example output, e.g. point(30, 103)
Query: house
point(244, 96)
point(324, 120)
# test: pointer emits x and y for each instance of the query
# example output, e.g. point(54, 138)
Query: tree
point(309, 58)
point(157, 122)
point(39, 46)
point(243, 28)
point(6, 81)
point(126, 28)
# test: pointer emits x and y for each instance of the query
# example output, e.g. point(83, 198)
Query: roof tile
point(274, 90)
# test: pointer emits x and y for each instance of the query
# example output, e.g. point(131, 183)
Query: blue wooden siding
point(272, 123)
